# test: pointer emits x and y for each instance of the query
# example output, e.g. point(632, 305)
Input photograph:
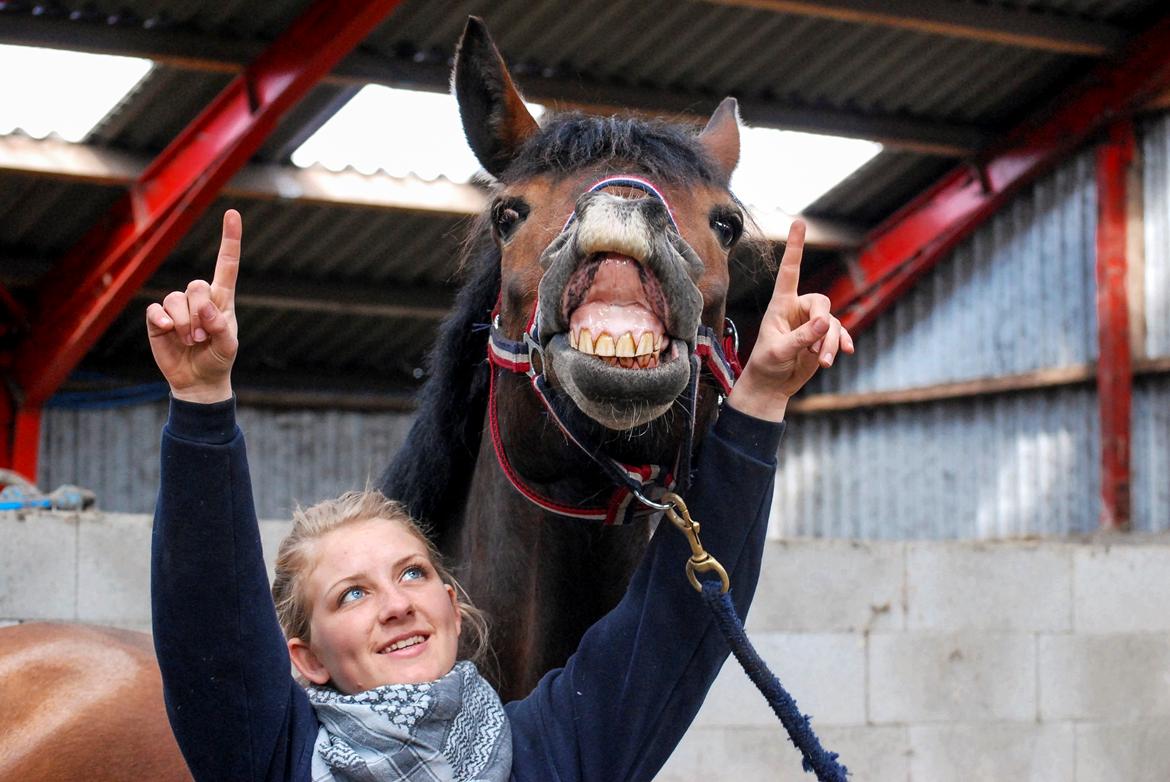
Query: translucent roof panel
point(401, 132)
point(63, 93)
point(786, 170)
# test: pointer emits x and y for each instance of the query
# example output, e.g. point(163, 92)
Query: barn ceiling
point(350, 273)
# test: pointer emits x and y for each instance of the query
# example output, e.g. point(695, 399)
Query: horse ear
point(495, 119)
point(721, 137)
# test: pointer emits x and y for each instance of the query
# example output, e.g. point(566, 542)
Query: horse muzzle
point(620, 309)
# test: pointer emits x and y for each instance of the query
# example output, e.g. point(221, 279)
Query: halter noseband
point(633, 482)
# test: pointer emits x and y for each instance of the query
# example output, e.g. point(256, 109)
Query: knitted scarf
point(450, 730)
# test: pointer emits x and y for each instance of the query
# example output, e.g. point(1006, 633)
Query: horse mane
point(571, 141)
point(431, 473)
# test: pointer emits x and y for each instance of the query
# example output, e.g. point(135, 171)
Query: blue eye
point(351, 594)
point(413, 573)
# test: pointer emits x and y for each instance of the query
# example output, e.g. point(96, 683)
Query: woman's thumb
point(211, 319)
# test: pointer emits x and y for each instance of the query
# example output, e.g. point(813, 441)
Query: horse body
point(83, 703)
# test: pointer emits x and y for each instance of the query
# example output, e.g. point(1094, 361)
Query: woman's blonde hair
point(293, 562)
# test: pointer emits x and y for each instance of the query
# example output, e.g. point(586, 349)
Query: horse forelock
point(571, 142)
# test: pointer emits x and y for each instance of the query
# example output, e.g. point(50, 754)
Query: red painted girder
point(26, 435)
point(97, 279)
point(1114, 363)
point(915, 238)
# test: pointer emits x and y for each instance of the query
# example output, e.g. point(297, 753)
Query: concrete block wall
point(941, 661)
point(918, 661)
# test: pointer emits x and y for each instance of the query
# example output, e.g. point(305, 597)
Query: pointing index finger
point(788, 278)
point(227, 265)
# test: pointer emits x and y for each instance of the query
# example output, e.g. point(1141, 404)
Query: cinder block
point(829, 586)
point(824, 673)
point(38, 566)
point(743, 754)
point(1008, 587)
point(113, 570)
point(1103, 677)
point(961, 752)
point(1137, 752)
point(1122, 589)
point(697, 755)
point(972, 677)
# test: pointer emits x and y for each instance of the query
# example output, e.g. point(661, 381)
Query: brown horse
point(624, 264)
point(80, 702)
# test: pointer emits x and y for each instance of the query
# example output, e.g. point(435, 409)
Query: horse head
point(614, 235)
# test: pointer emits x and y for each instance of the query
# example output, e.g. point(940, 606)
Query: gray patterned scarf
point(450, 730)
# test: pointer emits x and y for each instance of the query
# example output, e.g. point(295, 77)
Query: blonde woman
point(373, 624)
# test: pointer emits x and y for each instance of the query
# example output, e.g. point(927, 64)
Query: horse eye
point(728, 227)
point(507, 216)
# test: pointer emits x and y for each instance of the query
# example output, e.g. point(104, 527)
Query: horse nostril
point(654, 211)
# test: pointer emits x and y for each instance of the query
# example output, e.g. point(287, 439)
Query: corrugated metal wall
point(1017, 296)
point(1156, 204)
point(1151, 403)
point(1003, 466)
point(294, 456)
point(1151, 454)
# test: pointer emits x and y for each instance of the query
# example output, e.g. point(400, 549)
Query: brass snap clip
point(700, 561)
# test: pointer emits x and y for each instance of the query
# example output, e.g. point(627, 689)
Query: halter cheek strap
point(643, 483)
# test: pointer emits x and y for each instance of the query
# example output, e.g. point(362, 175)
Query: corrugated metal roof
point(891, 177)
point(697, 51)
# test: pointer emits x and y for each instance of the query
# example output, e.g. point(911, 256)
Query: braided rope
point(815, 757)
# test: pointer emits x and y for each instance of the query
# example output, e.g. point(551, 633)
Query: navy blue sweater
point(614, 712)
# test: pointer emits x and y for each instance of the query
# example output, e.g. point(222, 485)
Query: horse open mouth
point(616, 312)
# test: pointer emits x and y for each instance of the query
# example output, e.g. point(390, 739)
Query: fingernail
point(200, 335)
point(827, 359)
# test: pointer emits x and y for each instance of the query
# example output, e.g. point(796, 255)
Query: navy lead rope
point(815, 757)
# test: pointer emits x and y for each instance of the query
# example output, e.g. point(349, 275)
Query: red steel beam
point(914, 239)
point(98, 277)
point(1114, 363)
point(26, 431)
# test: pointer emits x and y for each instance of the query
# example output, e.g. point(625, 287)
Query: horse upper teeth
point(585, 345)
point(604, 346)
point(646, 344)
point(625, 345)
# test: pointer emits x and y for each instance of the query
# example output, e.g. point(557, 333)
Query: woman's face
point(379, 612)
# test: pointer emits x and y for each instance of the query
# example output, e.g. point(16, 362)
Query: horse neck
point(543, 579)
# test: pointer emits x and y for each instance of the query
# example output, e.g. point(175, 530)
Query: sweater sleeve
point(623, 701)
point(235, 710)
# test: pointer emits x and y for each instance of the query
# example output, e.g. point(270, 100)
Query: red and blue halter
point(635, 484)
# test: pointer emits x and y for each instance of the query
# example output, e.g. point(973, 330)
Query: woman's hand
point(193, 332)
point(798, 335)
